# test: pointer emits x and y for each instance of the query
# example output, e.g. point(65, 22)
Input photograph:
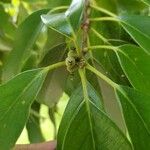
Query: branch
point(85, 25)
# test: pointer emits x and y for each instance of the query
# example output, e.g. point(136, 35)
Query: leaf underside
point(135, 63)
point(139, 30)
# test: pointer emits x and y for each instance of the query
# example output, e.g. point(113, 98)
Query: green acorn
point(70, 61)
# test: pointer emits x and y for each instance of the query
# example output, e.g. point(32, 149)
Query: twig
point(85, 25)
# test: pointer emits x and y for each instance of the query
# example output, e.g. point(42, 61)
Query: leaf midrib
point(23, 91)
point(72, 119)
point(114, 125)
point(138, 30)
point(70, 122)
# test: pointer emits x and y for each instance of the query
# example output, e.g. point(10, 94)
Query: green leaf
point(58, 22)
point(138, 27)
point(75, 130)
point(67, 22)
point(136, 110)
point(25, 37)
point(110, 65)
point(75, 13)
point(135, 63)
point(53, 39)
point(16, 97)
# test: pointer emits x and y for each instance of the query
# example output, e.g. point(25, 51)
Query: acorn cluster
point(74, 62)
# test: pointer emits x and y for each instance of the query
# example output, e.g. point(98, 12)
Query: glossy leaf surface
point(15, 99)
point(136, 65)
point(68, 22)
point(77, 131)
point(136, 112)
